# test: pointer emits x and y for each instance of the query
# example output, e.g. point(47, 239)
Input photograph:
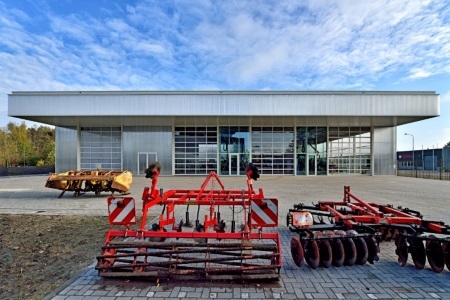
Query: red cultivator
point(207, 249)
point(348, 232)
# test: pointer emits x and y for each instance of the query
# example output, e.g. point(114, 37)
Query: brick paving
point(385, 279)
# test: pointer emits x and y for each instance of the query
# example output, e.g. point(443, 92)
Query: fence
point(441, 171)
point(27, 170)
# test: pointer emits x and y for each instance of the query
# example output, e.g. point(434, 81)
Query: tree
point(447, 145)
point(22, 146)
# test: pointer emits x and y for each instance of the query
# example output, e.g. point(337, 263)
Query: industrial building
point(297, 133)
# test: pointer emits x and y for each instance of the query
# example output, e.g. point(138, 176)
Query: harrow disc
point(312, 255)
point(325, 252)
point(297, 252)
point(401, 250)
point(446, 249)
point(418, 253)
point(362, 252)
point(435, 254)
point(373, 249)
point(349, 248)
point(337, 247)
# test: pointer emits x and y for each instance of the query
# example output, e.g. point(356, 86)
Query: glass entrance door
point(312, 164)
point(233, 160)
point(144, 159)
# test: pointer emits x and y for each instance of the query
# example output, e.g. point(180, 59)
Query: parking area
point(384, 279)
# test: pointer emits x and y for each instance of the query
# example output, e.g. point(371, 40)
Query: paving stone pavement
point(384, 279)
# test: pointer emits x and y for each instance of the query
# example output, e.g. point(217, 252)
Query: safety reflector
point(121, 210)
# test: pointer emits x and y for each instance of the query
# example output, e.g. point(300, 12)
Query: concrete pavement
point(384, 279)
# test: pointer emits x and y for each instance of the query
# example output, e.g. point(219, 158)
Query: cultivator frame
point(355, 228)
point(207, 249)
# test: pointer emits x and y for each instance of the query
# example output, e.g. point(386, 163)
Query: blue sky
point(231, 45)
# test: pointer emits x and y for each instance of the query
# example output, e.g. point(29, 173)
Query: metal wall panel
point(147, 139)
point(66, 140)
point(59, 104)
point(384, 144)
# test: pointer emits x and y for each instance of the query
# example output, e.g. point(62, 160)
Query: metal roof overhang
point(161, 108)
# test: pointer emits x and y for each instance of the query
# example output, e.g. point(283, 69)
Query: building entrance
point(144, 159)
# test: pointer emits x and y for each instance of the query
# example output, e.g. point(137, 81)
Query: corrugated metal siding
point(147, 139)
point(384, 151)
point(66, 149)
point(223, 105)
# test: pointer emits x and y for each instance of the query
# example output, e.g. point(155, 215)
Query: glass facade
point(234, 149)
point(273, 149)
point(195, 150)
point(198, 150)
point(311, 150)
point(349, 150)
point(100, 148)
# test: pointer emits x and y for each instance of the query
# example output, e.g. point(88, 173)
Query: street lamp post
point(412, 147)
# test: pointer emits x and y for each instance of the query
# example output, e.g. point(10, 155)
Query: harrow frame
point(360, 226)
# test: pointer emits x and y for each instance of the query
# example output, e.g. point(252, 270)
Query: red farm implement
point(348, 232)
point(213, 248)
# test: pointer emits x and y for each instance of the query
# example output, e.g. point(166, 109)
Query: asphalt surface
point(384, 279)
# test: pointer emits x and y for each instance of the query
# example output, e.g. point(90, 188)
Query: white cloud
point(419, 73)
point(226, 44)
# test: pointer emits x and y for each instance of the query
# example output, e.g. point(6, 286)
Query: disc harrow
point(211, 248)
point(348, 232)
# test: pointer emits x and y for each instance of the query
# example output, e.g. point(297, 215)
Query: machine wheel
point(401, 250)
point(373, 249)
point(349, 249)
point(446, 249)
point(435, 254)
point(325, 251)
point(312, 255)
point(297, 252)
point(361, 248)
point(418, 253)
